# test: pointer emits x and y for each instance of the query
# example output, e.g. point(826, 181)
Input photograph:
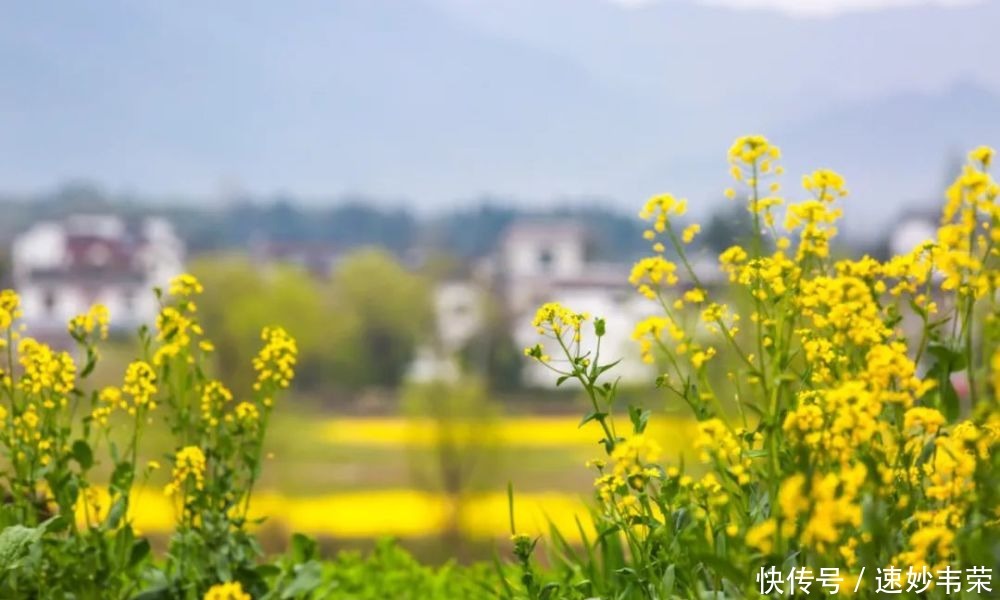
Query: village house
point(60, 268)
point(545, 261)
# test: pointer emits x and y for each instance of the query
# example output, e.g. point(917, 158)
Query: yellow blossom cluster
point(652, 273)
point(752, 156)
point(825, 185)
point(968, 235)
point(658, 210)
point(185, 285)
point(632, 466)
point(275, 362)
point(189, 467)
point(140, 385)
point(554, 319)
point(247, 415)
point(214, 398)
point(232, 590)
point(9, 308)
point(816, 219)
point(45, 370)
point(717, 442)
point(649, 332)
point(96, 318)
point(844, 309)
point(822, 512)
point(861, 392)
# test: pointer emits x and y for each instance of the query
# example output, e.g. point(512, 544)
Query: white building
point(458, 316)
point(61, 268)
point(542, 262)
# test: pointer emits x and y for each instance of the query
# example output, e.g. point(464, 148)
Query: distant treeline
point(344, 223)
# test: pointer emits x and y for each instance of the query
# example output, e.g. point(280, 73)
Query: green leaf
point(592, 416)
point(639, 418)
point(667, 583)
point(600, 327)
point(721, 566)
point(604, 368)
point(303, 548)
point(82, 454)
point(55, 524)
point(308, 577)
point(949, 399)
point(266, 571)
point(140, 550)
point(116, 512)
point(15, 543)
point(548, 590)
point(157, 593)
point(121, 477)
point(952, 359)
point(91, 362)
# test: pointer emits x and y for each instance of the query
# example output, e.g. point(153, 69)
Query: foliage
point(392, 309)
point(361, 328)
point(69, 484)
point(390, 572)
point(849, 447)
point(235, 319)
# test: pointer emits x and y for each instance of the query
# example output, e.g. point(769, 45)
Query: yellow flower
point(793, 502)
point(923, 419)
point(189, 466)
point(752, 156)
point(227, 591)
point(761, 536)
point(140, 384)
point(9, 311)
point(700, 357)
point(97, 318)
point(650, 331)
point(552, 318)
point(825, 184)
point(983, 154)
point(214, 396)
point(275, 362)
point(247, 415)
point(185, 285)
point(651, 273)
point(689, 232)
point(45, 369)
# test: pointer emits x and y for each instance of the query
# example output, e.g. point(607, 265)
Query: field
point(354, 478)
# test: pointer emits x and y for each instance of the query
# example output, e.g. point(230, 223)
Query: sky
point(434, 104)
point(812, 8)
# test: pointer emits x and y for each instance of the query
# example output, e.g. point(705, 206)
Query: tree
point(240, 299)
point(391, 309)
point(462, 423)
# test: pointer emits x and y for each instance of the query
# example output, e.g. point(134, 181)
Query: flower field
point(825, 447)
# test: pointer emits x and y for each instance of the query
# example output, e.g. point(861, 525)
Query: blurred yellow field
point(366, 514)
point(674, 434)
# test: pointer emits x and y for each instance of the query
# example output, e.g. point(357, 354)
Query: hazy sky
point(437, 102)
point(812, 8)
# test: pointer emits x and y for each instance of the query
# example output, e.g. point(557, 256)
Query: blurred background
point(401, 183)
